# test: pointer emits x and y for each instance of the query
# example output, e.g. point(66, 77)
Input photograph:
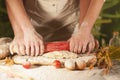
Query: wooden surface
point(114, 72)
point(49, 72)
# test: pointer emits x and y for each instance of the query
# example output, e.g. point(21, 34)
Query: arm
point(26, 39)
point(16, 27)
point(19, 13)
point(83, 40)
point(91, 14)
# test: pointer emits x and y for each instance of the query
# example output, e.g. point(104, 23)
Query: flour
point(61, 55)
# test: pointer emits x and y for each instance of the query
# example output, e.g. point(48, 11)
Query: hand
point(30, 43)
point(82, 42)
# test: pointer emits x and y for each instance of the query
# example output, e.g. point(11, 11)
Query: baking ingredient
point(4, 47)
point(115, 40)
point(69, 64)
point(7, 61)
point(4, 51)
point(57, 64)
point(5, 40)
point(103, 58)
point(60, 55)
point(81, 64)
point(12, 73)
point(92, 62)
point(48, 58)
point(26, 65)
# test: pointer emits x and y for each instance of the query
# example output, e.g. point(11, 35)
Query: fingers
point(78, 46)
point(37, 49)
point(72, 45)
point(28, 45)
point(15, 48)
point(82, 46)
point(41, 47)
point(11, 48)
point(75, 49)
point(34, 49)
point(22, 49)
point(96, 44)
point(27, 48)
point(91, 46)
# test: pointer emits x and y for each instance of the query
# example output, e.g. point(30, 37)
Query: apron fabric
point(55, 20)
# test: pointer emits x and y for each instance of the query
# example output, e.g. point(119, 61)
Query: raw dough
point(4, 47)
point(61, 55)
point(4, 51)
point(48, 58)
point(5, 40)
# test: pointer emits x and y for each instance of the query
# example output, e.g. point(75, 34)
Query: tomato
point(57, 64)
point(26, 65)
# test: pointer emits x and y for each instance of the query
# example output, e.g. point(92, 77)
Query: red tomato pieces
point(26, 65)
point(57, 64)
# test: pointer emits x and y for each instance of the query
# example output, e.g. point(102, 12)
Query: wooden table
point(49, 72)
point(114, 72)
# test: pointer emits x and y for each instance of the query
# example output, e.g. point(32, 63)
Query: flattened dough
point(61, 55)
point(48, 58)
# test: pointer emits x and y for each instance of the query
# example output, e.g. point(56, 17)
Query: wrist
point(85, 27)
point(27, 29)
point(18, 34)
point(81, 31)
point(86, 30)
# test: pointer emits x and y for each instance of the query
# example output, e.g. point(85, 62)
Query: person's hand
point(30, 43)
point(82, 42)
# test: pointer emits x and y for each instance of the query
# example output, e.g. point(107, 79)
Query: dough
point(4, 51)
point(48, 58)
point(61, 55)
point(5, 40)
point(4, 47)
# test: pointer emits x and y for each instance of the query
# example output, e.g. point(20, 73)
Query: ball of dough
point(5, 40)
point(4, 51)
point(81, 64)
point(69, 64)
point(4, 47)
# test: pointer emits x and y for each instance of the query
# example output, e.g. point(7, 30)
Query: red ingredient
point(26, 65)
point(56, 46)
point(57, 64)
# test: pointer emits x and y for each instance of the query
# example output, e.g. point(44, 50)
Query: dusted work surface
point(50, 73)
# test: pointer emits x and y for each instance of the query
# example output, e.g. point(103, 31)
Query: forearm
point(91, 15)
point(16, 27)
point(84, 4)
point(19, 14)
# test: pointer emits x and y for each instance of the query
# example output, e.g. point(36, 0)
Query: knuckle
point(32, 51)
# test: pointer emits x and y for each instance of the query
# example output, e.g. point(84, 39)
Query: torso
point(53, 18)
point(53, 7)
